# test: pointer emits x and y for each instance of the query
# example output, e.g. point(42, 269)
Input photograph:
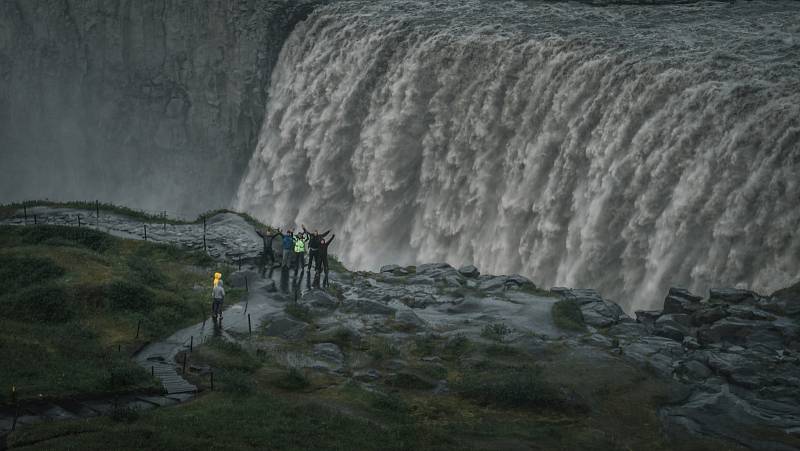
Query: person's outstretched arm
point(331, 240)
point(258, 232)
point(304, 229)
point(277, 234)
point(323, 235)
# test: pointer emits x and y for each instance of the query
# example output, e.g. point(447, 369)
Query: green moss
point(567, 315)
point(495, 331)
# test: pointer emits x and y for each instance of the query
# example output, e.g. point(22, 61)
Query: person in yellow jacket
point(299, 254)
point(217, 297)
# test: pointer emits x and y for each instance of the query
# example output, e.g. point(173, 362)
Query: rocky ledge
point(734, 356)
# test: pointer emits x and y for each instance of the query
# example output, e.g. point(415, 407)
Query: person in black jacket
point(314, 252)
point(267, 254)
point(323, 253)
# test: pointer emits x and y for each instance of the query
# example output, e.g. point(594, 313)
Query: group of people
point(294, 250)
point(295, 246)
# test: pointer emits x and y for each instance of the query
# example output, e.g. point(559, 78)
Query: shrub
point(124, 414)
point(298, 311)
point(124, 295)
point(425, 345)
point(567, 315)
point(21, 272)
point(88, 238)
point(237, 382)
point(495, 331)
point(456, 347)
point(511, 387)
point(146, 272)
point(293, 379)
point(124, 375)
point(49, 303)
point(380, 349)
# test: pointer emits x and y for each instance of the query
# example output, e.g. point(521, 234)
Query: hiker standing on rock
point(267, 255)
point(218, 296)
point(323, 253)
point(288, 247)
point(314, 257)
point(299, 255)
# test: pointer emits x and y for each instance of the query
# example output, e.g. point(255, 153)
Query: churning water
point(624, 148)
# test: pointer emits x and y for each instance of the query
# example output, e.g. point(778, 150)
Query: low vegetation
point(73, 301)
point(567, 315)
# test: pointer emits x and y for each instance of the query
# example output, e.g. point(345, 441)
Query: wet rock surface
point(735, 355)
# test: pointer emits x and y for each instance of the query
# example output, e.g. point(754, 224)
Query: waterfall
point(627, 149)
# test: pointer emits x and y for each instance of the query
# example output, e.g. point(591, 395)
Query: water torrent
point(626, 149)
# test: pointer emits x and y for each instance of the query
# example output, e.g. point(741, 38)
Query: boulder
point(489, 283)
point(408, 320)
point(320, 299)
point(329, 353)
point(367, 307)
point(748, 333)
point(680, 300)
point(396, 270)
point(672, 326)
point(647, 318)
point(269, 286)
point(708, 315)
point(237, 279)
point(628, 329)
point(469, 271)
point(281, 325)
point(732, 295)
point(368, 375)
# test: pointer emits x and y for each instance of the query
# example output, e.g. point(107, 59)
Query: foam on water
point(624, 148)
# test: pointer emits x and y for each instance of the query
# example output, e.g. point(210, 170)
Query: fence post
point(246, 286)
point(249, 324)
point(34, 219)
point(25, 213)
point(16, 407)
point(165, 220)
point(191, 344)
point(205, 248)
point(79, 221)
point(153, 370)
point(97, 211)
point(212, 380)
point(145, 232)
point(138, 326)
point(240, 262)
point(184, 362)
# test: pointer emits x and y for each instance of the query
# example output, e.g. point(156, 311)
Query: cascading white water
point(627, 148)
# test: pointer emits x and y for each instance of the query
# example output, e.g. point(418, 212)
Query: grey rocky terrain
point(732, 358)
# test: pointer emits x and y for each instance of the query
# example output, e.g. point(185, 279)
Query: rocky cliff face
point(156, 103)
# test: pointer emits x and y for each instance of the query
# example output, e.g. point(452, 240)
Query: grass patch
point(76, 299)
point(293, 379)
point(567, 315)
point(299, 312)
point(509, 387)
point(456, 347)
point(495, 331)
point(228, 355)
point(380, 349)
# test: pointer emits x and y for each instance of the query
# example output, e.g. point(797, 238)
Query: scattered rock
point(320, 299)
point(330, 353)
point(367, 307)
point(408, 320)
point(281, 325)
point(680, 300)
point(469, 271)
point(732, 295)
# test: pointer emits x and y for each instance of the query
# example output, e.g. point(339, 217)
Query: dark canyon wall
point(152, 103)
